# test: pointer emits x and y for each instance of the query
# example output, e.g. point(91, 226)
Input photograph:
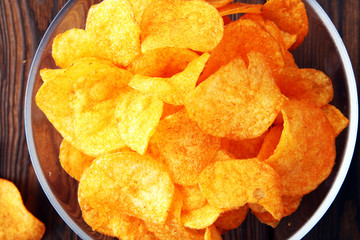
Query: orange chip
point(211, 233)
point(303, 158)
point(139, 7)
point(162, 62)
point(16, 222)
point(237, 7)
point(200, 218)
point(270, 142)
point(290, 16)
point(232, 219)
point(233, 183)
point(240, 38)
point(73, 161)
point(192, 197)
point(338, 121)
point(305, 84)
point(113, 32)
point(127, 183)
point(186, 24)
point(137, 116)
point(266, 218)
point(170, 109)
point(70, 46)
point(219, 3)
point(186, 151)
point(172, 90)
point(236, 102)
point(48, 74)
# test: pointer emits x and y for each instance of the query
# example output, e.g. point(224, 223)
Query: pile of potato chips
point(177, 121)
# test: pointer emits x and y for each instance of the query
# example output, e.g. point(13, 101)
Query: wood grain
point(22, 25)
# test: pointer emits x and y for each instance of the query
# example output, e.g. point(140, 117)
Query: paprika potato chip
point(200, 218)
point(219, 3)
point(232, 219)
point(127, 183)
point(16, 222)
point(185, 24)
point(162, 62)
point(70, 46)
point(192, 197)
point(72, 160)
point(237, 7)
point(307, 84)
point(338, 121)
point(113, 32)
point(249, 94)
point(186, 151)
point(139, 7)
point(211, 233)
point(175, 89)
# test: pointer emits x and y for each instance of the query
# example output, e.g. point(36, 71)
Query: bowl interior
point(322, 49)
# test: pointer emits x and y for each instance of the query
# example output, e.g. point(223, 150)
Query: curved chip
point(127, 183)
point(338, 121)
point(185, 149)
point(236, 102)
point(175, 89)
point(211, 233)
point(232, 219)
point(186, 24)
point(72, 160)
point(137, 116)
point(237, 7)
point(233, 183)
point(16, 222)
point(70, 46)
point(200, 218)
point(305, 154)
point(192, 197)
point(48, 74)
point(305, 84)
point(113, 32)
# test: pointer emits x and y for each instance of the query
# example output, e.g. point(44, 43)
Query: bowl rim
point(319, 212)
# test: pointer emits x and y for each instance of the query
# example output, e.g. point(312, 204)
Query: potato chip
point(307, 83)
point(232, 219)
point(192, 197)
point(172, 90)
point(16, 222)
point(240, 38)
point(113, 32)
point(270, 142)
point(94, 98)
point(173, 228)
point(219, 3)
point(290, 16)
point(135, 185)
point(200, 218)
point(186, 151)
point(70, 46)
point(305, 154)
point(233, 183)
point(47, 74)
point(115, 224)
point(162, 62)
point(338, 121)
point(236, 102)
point(72, 160)
point(170, 109)
point(139, 7)
point(238, 7)
point(137, 116)
point(266, 218)
point(212, 233)
point(186, 24)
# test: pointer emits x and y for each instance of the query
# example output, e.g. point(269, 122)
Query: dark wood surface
point(22, 25)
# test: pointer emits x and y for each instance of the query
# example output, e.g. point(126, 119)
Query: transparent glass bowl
point(322, 49)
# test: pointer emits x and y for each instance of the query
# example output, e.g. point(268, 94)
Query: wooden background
point(22, 25)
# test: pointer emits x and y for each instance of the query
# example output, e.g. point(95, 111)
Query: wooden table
point(22, 25)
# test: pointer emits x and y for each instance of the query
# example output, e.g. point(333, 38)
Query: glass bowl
point(322, 49)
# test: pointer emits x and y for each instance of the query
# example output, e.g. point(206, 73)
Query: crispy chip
point(290, 16)
point(240, 38)
point(138, 115)
point(232, 219)
point(307, 84)
point(192, 197)
point(136, 185)
point(162, 62)
point(233, 183)
point(70, 46)
point(200, 218)
point(113, 32)
point(16, 222)
point(186, 151)
point(219, 3)
point(139, 7)
point(303, 158)
point(338, 121)
point(185, 24)
point(270, 142)
point(48, 74)
point(266, 218)
point(212, 233)
point(170, 109)
point(73, 161)
point(237, 7)
point(172, 90)
point(236, 102)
